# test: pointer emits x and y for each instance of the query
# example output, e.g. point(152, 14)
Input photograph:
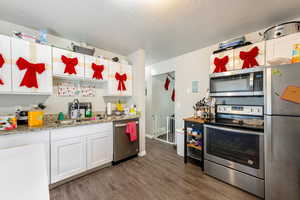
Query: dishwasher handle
point(123, 125)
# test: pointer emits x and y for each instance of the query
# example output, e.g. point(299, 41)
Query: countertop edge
point(52, 126)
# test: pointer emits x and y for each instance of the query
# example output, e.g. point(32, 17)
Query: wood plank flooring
point(160, 175)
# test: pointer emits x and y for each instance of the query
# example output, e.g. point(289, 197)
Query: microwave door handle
point(251, 81)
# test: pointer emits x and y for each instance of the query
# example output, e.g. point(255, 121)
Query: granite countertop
point(23, 129)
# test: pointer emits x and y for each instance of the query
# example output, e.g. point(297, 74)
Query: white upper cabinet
point(5, 64)
point(250, 56)
point(112, 86)
point(120, 80)
point(31, 67)
point(96, 68)
point(127, 69)
point(221, 62)
point(67, 63)
point(281, 48)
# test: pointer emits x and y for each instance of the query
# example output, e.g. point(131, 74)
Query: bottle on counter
point(296, 53)
point(88, 111)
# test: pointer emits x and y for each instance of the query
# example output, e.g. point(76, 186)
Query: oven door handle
point(235, 130)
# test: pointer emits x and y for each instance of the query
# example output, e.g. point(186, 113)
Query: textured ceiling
point(164, 28)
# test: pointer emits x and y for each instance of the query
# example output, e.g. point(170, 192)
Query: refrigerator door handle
point(251, 81)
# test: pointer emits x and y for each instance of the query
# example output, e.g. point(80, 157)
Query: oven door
point(239, 149)
point(247, 82)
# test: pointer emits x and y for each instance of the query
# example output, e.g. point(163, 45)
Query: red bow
point(29, 79)
point(121, 78)
point(249, 58)
point(2, 61)
point(70, 64)
point(220, 64)
point(98, 69)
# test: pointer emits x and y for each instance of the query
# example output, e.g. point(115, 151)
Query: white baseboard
point(149, 136)
point(142, 153)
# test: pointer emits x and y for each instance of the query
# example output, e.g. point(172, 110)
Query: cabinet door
point(5, 68)
point(9, 141)
point(112, 88)
point(33, 53)
point(281, 47)
point(99, 149)
point(260, 58)
point(89, 72)
point(230, 64)
point(68, 158)
point(59, 66)
point(127, 69)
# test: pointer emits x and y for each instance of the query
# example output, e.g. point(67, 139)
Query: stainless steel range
point(234, 141)
point(234, 147)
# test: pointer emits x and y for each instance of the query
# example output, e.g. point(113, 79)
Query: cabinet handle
point(122, 125)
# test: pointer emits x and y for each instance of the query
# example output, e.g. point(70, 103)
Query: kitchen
point(87, 114)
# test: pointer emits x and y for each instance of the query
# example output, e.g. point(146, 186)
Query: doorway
point(163, 107)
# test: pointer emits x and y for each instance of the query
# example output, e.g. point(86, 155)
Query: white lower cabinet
point(67, 158)
point(99, 149)
point(77, 149)
point(15, 140)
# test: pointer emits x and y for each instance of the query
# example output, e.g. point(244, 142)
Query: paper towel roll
point(108, 108)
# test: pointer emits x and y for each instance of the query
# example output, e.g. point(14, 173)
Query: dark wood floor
point(160, 175)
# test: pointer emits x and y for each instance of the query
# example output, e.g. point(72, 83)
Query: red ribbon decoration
point(167, 83)
point(121, 78)
point(220, 64)
point(249, 58)
point(2, 61)
point(173, 95)
point(29, 79)
point(70, 64)
point(98, 69)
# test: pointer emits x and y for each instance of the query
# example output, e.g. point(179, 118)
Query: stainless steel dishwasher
point(123, 147)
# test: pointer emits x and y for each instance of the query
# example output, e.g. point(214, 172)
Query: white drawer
point(81, 130)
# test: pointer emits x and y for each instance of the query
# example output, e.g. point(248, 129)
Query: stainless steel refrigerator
point(282, 132)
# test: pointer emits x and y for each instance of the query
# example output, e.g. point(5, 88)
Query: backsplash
point(55, 103)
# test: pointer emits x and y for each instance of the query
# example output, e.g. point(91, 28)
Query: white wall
point(54, 103)
point(193, 66)
point(148, 127)
point(138, 61)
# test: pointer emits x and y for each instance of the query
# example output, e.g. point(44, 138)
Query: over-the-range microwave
point(246, 82)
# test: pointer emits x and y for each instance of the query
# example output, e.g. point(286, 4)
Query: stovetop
point(236, 125)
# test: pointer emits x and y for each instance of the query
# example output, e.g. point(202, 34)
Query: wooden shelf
point(195, 147)
point(197, 136)
point(195, 120)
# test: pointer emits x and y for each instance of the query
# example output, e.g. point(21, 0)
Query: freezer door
point(282, 158)
point(277, 79)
